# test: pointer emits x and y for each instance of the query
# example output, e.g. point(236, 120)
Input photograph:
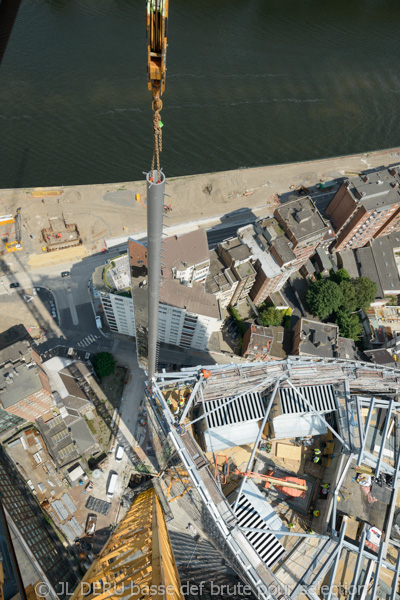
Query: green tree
point(349, 325)
point(270, 316)
point(365, 291)
point(349, 299)
point(104, 364)
point(340, 275)
point(323, 297)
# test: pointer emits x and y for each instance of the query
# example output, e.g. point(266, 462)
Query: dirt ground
point(113, 386)
point(111, 210)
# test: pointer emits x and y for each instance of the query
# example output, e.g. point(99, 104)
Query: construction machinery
point(291, 486)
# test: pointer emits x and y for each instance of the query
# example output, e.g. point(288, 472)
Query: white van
point(99, 324)
point(112, 485)
point(119, 452)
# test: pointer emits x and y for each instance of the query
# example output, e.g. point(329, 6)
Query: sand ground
point(104, 211)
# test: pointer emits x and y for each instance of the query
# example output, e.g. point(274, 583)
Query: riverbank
point(104, 211)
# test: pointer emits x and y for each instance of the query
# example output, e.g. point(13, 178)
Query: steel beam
point(189, 402)
point(359, 419)
point(384, 434)
point(310, 406)
point(377, 571)
point(367, 579)
point(353, 586)
point(256, 443)
point(396, 578)
point(283, 533)
point(155, 212)
point(336, 560)
point(364, 441)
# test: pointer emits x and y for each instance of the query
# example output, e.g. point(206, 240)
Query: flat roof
point(282, 247)
point(186, 250)
point(193, 299)
point(302, 218)
point(24, 382)
point(367, 267)
point(267, 261)
point(237, 249)
point(376, 189)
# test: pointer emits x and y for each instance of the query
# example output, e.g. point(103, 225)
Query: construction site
point(272, 480)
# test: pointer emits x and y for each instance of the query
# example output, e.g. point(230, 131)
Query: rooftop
point(251, 238)
point(377, 189)
point(283, 248)
point(302, 218)
point(318, 339)
point(186, 250)
point(18, 381)
point(383, 253)
point(220, 278)
point(381, 356)
point(193, 299)
point(237, 249)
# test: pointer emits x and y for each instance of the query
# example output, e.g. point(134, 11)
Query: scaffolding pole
point(364, 440)
point(283, 533)
point(395, 578)
point(384, 434)
point(353, 586)
point(310, 406)
point(155, 204)
point(255, 448)
point(336, 560)
point(189, 402)
point(337, 488)
point(377, 571)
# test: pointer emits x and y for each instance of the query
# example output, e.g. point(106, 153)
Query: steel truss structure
point(363, 386)
point(137, 561)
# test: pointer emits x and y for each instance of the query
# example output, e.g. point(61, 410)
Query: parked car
point(14, 285)
point(119, 452)
point(65, 274)
point(99, 324)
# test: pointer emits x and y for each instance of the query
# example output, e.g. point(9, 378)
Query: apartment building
point(365, 207)
point(188, 315)
point(237, 256)
point(313, 338)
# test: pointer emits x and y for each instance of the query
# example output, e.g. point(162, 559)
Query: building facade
point(365, 208)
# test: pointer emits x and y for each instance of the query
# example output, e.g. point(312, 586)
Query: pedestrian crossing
point(86, 341)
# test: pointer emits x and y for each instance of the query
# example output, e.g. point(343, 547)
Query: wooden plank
point(292, 453)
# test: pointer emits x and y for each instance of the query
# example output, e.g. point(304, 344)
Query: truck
point(112, 485)
point(91, 524)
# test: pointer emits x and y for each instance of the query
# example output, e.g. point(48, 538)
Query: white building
point(187, 314)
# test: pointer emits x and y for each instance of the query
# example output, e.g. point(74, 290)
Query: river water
point(249, 83)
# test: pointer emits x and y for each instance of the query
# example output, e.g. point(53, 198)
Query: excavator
point(157, 20)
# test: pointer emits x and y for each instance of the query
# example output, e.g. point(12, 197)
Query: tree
point(270, 316)
point(349, 325)
point(365, 291)
point(349, 299)
point(323, 297)
point(104, 364)
point(340, 275)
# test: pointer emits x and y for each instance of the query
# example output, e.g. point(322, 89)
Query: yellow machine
point(13, 246)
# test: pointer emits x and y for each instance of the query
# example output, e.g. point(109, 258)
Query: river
point(249, 83)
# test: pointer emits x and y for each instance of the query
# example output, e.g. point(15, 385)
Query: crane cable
point(157, 144)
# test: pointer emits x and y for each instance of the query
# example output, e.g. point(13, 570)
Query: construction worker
point(316, 459)
point(291, 525)
point(316, 513)
point(310, 532)
point(317, 452)
point(325, 486)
